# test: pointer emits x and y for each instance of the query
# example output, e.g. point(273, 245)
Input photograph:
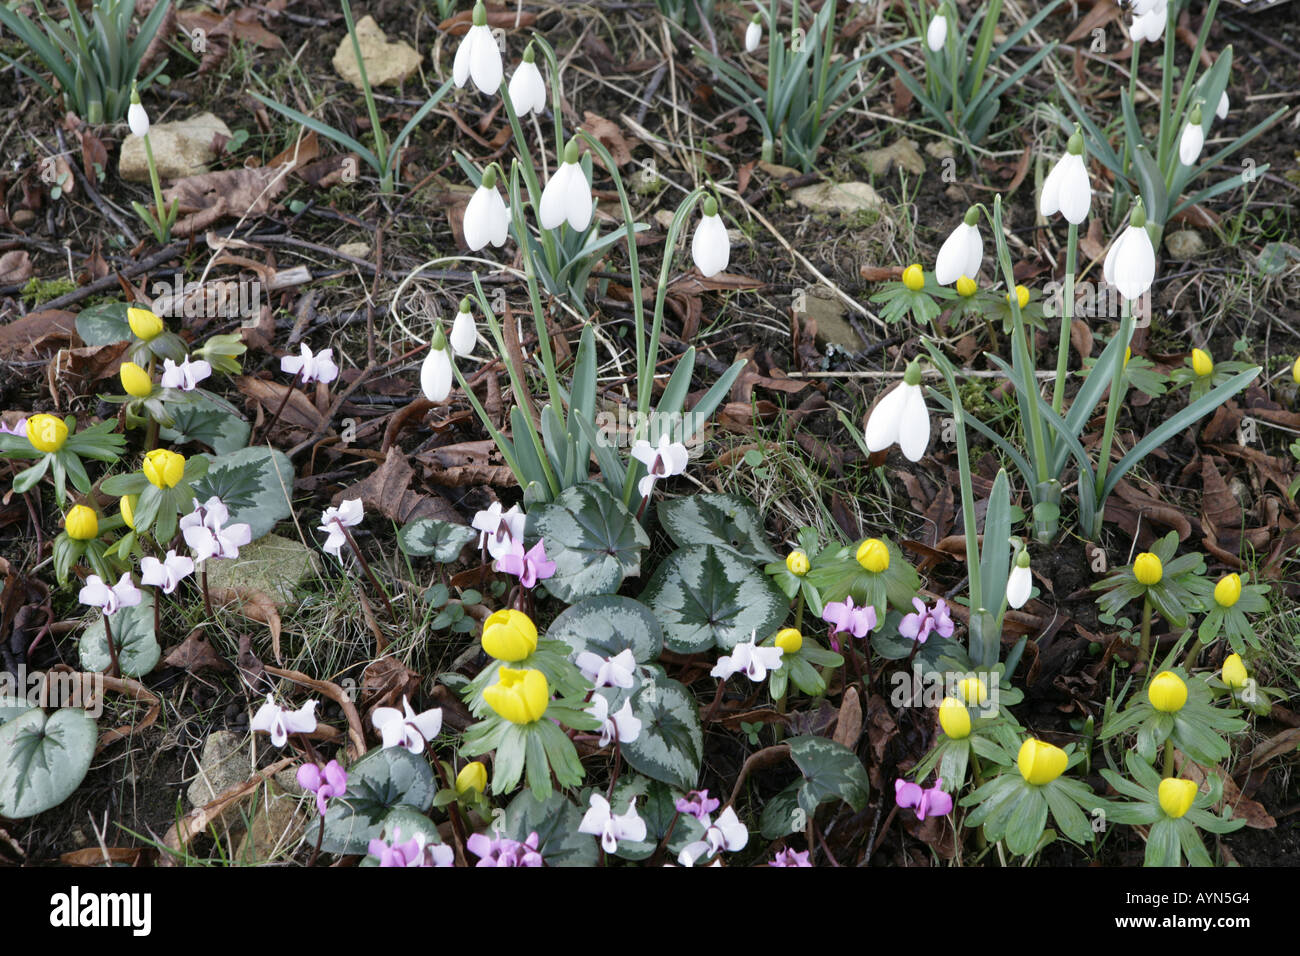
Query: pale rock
point(1184, 244)
point(181, 148)
point(357, 250)
point(387, 64)
point(833, 327)
point(902, 153)
point(839, 197)
point(276, 826)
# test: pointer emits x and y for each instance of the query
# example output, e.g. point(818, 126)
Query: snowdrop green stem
point(1117, 391)
point(963, 473)
point(1067, 317)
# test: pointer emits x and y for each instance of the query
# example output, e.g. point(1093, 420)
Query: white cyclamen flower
point(1067, 189)
point(463, 331)
point(624, 725)
point(165, 574)
point(486, 217)
point(110, 600)
point(616, 671)
point(710, 247)
point(348, 514)
point(1019, 582)
point(280, 723)
point(937, 33)
point(319, 367)
point(185, 376)
point(753, 34)
point(435, 373)
point(901, 416)
point(527, 88)
point(567, 195)
point(666, 459)
point(728, 833)
point(206, 533)
point(478, 57)
point(600, 821)
point(1130, 265)
point(410, 730)
point(749, 658)
point(498, 530)
point(961, 253)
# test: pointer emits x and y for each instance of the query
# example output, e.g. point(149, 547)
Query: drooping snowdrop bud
point(478, 57)
point(710, 247)
point(463, 332)
point(1020, 582)
point(136, 117)
point(1193, 139)
point(1149, 21)
point(1067, 189)
point(754, 33)
point(937, 33)
point(962, 252)
point(1221, 111)
point(901, 416)
point(486, 217)
point(567, 196)
point(527, 88)
point(1131, 263)
point(435, 373)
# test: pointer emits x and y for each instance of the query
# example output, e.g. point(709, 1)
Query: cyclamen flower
point(664, 460)
point(410, 730)
point(185, 376)
point(527, 87)
point(327, 783)
point(962, 252)
point(18, 428)
point(280, 723)
point(901, 417)
point(349, 514)
point(165, 574)
point(728, 833)
point(928, 803)
point(205, 532)
point(1130, 265)
point(318, 367)
point(624, 725)
point(748, 657)
point(790, 857)
point(698, 804)
point(414, 852)
point(110, 600)
point(710, 247)
point(919, 625)
point(478, 57)
point(616, 671)
point(567, 195)
point(499, 530)
point(503, 851)
point(843, 616)
point(528, 566)
point(601, 822)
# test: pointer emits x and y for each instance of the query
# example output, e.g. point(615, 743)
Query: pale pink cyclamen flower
point(185, 376)
point(843, 616)
point(789, 857)
point(503, 851)
point(616, 671)
point(726, 833)
point(407, 729)
point(348, 514)
point(528, 566)
point(19, 428)
point(918, 626)
point(928, 803)
point(319, 367)
point(414, 852)
point(498, 529)
point(624, 725)
point(206, 533)
point(330, 782)
point(280, 723)
point(664, 460)
point(601, 821)
point(698, 804)
point(749, 658)
point(110, 600)
point(165, 574)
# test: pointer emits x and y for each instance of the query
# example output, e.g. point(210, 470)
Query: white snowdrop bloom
point(1131, 263)
point(486, 217)
point(136, 117)
point(1019, 582)
point(1150, 25)
point(600, 821)
point(901, 417)
point(962, 252)
point(710, 247)
point(478, 57)
point(1193, 139)
point(527, 87)
point(435, 373)
point(937, 33)
point(1067, 189)
point(1221, 111)
point(754, 33)
point(567, 195)
point(463, 331)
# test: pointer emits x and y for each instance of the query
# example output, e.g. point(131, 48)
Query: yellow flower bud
point(1022, 296)
point(1176, 796)
point(472, 776)
point(1295, 371)
point(1234, 672)
point(163, 468)
point(966, 287)
point(127, 506)
point(81, 523)
point(509, 635)
point(1040, 762)
point(46, 432)
point(914, 278)
point(1148, 569)
point(797, 563)
point(789, 640)
point(1202, 364)
point(954, 718)
point(873, 554)
point(135, 380)
point(520, 696)
point(974, 691)
point(144, 323)
point(1128, 354)
point(1167, 692)
point(1228, 591)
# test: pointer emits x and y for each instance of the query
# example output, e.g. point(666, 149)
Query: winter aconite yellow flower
point(509, 635)
point(873, 554)
point(1041, 763)
point(520, 696)
point(1228, 591)
point(1202, 364)
point(46, 432)
point(127, 506)
point(135, 380)
point(1295, 371)
point(1167, 692)
point(1234, 672)
point(954, 718)
point(1176, 796)
point(1147, 569)
point(81, 523)
point(144, 323)
point(789, 640)
point(1022, 296)
point(797, 563)
point(163, 468)
point(974, 691)
point(914, 277)
point(472, 776)
point(1128, 354)
point(966, 287)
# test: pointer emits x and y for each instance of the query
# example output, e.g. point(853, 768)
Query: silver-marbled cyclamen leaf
point(43, 760)
point(593, 540)
point(724, 521)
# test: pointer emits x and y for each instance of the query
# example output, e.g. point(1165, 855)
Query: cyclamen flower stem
point(717, 699)
point(618, 760)
point(320, 841)
point(457, 825)
point(113, 670)
point(1067, 317)
point(663, 844)
point(207, 599)
point(1117, 389)
point(365, 565)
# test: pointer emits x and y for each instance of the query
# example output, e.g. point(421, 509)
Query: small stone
point(357, 250)
point(940, 149)
point(833, 328)
point(181, 148)
point(224, 764)
point(275, 829)
point(387, 64)
point(273, 565)
point(1184, 244)
point(901, 153)
point(839, 197)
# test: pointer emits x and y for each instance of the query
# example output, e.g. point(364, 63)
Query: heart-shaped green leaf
point(429, 537)
point(607, 625)
point(671, 743)
point(43, 760)
point(254, 483)
point(725, 521)
point(555, 820)
point(378, 783)
point(133, 634)
point(593, 540)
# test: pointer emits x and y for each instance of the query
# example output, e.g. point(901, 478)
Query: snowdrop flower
point(503, 851)
point(414, 852)
point(962, 252)
point(901, 417)
point(600, 821)
point(486, 217)
point(1149, 21)
point(1193, 138)
point(280, 723)
point(624, 725)
point(527, 88)
point(436, 372)
point(1221, 111)
point(327, 783)
point(110, 600)
point(664, 460)
point(843, 616)
point(937, 33)
point(319, 367)
point(748, 657)
point(463, 331)
point(710, 247)
point(205, 531)
point(410, 730)
point(928, 803)
point(1019, 582)
point(136, 117)
point(185, 376)
point(165, 574)
point(728, 833)
point(754, 33)
point(567, 195)
point(698, 804)
point(499, 530)
point(616, 671)
point(925, 621)
point(1130, 265)
point(333, 520)
point(478, 57)
point(789, 857)
point(1067, 189)
point(528, 566)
